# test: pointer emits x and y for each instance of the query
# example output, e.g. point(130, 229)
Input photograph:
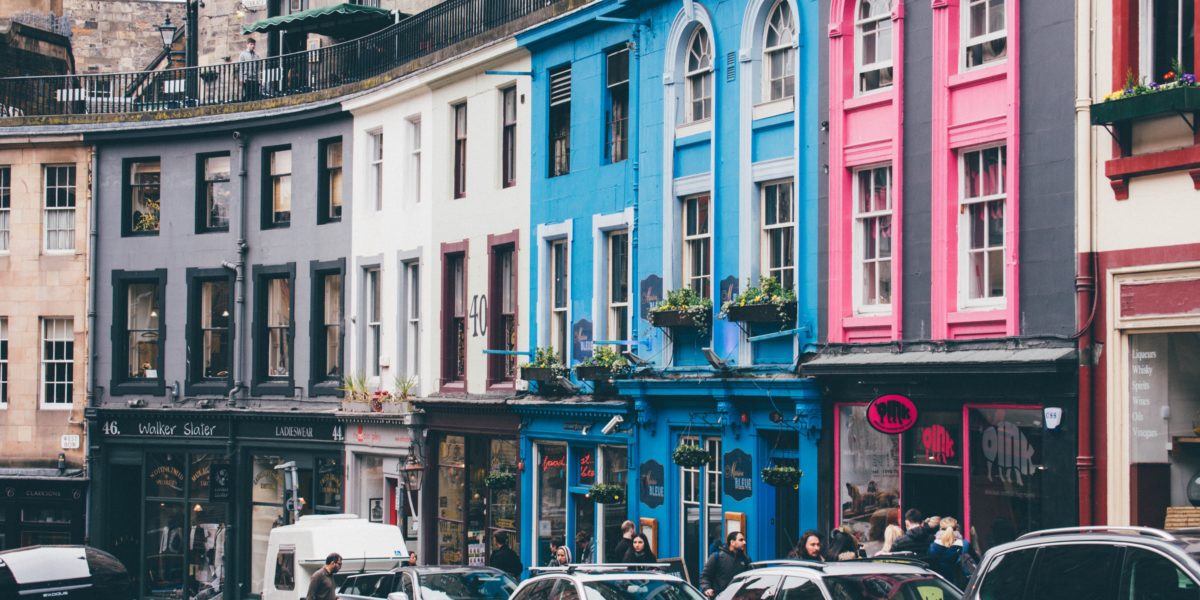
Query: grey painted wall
point(918, 134)
point(178, 247)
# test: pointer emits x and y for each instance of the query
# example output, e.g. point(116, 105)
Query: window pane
point(279, 314)
point(144, 194)
point(217, 191)
point(552, 506)
point(869, 475)
point(1076, 571)
point(1152, 576)
point(142, 328)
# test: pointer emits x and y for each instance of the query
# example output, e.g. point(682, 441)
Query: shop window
point(614, 470)
point(508, 136)
point(873, 38)
point(454, 310)
point(1008, 444)
point(470, 513)
point(873, 239)
point(617, 88)
point(58, 363)
point(329, 185)
point(1077, 571)
point(319, 491)
point(327, 493)
point(779, 53)
point(376, 169)
point(981, 229)
point(778, 237)
point(504, 506)
point(142, 195)
point(214, 193)
point(139, 320)
point(700, 497)
point(869, 472)
point(617, 282)
point(326, 337)
point(697, 245)
point(560, 289)
point(5, 207)
point(985, 33)
point(502, 320)
point(931, 473)
point(373, 332)
point(698, 74)
point(1168, 38)
point(460, 149)
point(560, 121)
point(451, 535)
point(277, 187)
point(414, 158)
point(552, 498)
point(59, 208)
point(274, 328)
point(210, 326)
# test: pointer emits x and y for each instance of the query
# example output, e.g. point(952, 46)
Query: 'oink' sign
point(892, 414)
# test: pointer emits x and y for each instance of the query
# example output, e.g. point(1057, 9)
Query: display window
point(469, 511)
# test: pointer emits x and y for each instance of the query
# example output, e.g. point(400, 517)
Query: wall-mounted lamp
point(1053, 415)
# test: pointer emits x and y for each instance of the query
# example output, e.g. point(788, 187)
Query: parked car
point(865, 579)
point(429, 583)
point(1097, 563)
point(62, 573)
point(605, 582)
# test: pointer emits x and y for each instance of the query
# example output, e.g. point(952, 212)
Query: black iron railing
point(441, 26)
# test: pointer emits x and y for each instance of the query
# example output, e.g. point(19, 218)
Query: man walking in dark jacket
point(504, 558)
point(724, 564)
point(321, 586)
point(917, 538)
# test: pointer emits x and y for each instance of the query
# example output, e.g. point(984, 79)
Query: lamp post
point(191, 44)
point(412, 475)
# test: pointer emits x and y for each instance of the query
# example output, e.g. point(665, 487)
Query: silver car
point(429, 583)
point(605, 582)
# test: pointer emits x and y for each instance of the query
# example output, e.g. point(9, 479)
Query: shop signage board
point(892, 414)
point(301, 431)
point(152, 426)
point(1148, 398)
point(739, 474)
point(651, 486)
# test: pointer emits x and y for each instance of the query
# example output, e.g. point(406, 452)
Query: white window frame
point(968, 41)
point(376, 166)
point(613, 307)
point(882, 21)
point(1146, 40)
point(412, 318)
point(965, 301)
point(5, 208)
point(706, 489)
point(705, 238)
point(55, 326)
point(861, 306)
point(701, 73)
point(56, 212)
point(459, 128)
point(559, 317)
point(4, 362)
point(373, 320)
point(786, 46)
point(414, 157)
point(765, 231)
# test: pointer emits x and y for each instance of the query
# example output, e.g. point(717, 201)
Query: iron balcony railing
point(441, 26)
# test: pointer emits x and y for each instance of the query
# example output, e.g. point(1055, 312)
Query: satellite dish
point(1193, 489)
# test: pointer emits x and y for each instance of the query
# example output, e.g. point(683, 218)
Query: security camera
point(611, 425)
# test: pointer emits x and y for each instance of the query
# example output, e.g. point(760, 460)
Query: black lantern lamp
point(414, 474)
point(167, 31)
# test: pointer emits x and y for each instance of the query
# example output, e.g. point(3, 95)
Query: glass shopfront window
point(452, 453)
point(183, 541)
point(470, 512)
point(614, 465)
point(319, 491)
point(504, 506)
point(552, 498)
point(1006, 473)
point(869, 476)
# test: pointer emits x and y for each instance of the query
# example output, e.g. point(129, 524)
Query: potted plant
point(378, 399)
point(355, 387)
point(602, 365)
point(404, 388)
point(606, 493)
point(1178, 94)
point(544, 368)
point(500, 480)
point(781, 476)
point(768, 302)
point(682, 308)
point(690, 455)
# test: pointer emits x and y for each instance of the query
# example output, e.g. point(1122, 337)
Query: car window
point(1076, 571)
point(406, 584)
point(756, 587)
point(799, 588)
point(639, 589)
point(362, 585)
point(1149, 575)
point(382, 587)
point(1007, 575)
point(564, 589)
point(891, 586)
point(466, 585)
point(538, 590)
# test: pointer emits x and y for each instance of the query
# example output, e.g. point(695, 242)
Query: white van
point(295, 552)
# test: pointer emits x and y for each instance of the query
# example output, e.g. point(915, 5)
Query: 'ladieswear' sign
point(892, 414)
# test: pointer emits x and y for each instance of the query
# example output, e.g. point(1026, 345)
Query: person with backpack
point(724, 564)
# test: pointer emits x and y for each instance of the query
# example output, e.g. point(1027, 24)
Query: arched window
point(873, 37)
point(779, 56)
point(699, 77)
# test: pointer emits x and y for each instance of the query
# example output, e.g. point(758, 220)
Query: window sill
point(690, 129)
point(870, 99)
point(271, 388)
point(507, 385)
point(154, 387)
point(978, 75)
point(208, 388)
point(203, 231)
point(454, 387)
point(772, 108)
point(135, 234)
point(57, 407)
point(1120, 170)
point(325, 388)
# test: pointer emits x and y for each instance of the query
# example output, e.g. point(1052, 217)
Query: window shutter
point(560, 86)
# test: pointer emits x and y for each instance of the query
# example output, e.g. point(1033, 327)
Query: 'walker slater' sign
point(149, 426)
point(301, 431)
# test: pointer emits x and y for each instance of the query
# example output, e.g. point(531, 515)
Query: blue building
point(674, 147)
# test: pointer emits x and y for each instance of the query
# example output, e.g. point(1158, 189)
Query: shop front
point(41, 509)
point(378, 448)
point(465, 499)
point(992, 446)
point(187, 499)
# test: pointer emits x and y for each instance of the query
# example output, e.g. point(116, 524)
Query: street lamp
point(414, 473)
point(167, 31)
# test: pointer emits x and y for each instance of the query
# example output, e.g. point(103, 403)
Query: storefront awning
point(1021, 360)
point(339, 20)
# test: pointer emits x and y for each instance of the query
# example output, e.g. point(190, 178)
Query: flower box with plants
point(544, 368)
point(379, 398)
point(768, 302)
point(606, 493)
point(500, 480)
point(682, 308)
point(690, 456)
point(1178, 94)
point(781, 476)
point(604, 363)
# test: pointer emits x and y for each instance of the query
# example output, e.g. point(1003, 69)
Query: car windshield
point(466, 586)
point(640, 589)
point(890, 586)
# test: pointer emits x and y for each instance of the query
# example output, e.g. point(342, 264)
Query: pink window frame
point(864, 130)
point(972, 108)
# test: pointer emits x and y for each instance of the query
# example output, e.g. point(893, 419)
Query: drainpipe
point(91, 401)
point(1085, 279)
point(635, 166)
point(239, 369)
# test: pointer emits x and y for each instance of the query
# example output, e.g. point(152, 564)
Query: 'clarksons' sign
point(892, 414)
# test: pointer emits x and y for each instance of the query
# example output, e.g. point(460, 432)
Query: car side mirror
point(397, 596)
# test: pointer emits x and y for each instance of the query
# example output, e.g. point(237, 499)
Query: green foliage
point(690, 455)
point(782, 476)
point(607, 357)
point(355, 387)
point(606, 493)
point(500, 480)
point(768, 291)
point(547, 358)
point(685, 299)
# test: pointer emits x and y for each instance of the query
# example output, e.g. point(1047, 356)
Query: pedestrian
point(321, 586)
point(639, 552)
point(562, 557)
point(555, 544)
point(946, 551)
point(842, 545)
point(412, 559)
point(724, 564)
point(585, 550)
point(249, 72)
point(622, 547)
point(808, 548)
point(917, 538)
point(890, 535)
point(504, 558)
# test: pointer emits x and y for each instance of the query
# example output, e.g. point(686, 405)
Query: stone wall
point(28, 51)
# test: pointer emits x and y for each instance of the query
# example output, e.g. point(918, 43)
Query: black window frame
point(319, 382)
point(267, 201)
point(121, 384)
point(559, 123)
point(262, 384)
point(202, 225)
point(508, 137)
point(323, 172)
point(460, 148)
point(127, 196)
point(197, 383)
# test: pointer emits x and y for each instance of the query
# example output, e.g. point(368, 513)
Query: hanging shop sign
point(651, 488)
point(739, 478)
point(892, 414)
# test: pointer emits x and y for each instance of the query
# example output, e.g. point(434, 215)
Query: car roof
point(881, 565)
point(605, 572)
point(430, 569)
point(1186, 541)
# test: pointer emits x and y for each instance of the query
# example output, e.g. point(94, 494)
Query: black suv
point(1096, 563)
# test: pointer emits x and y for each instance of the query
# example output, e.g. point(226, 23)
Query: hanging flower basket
point(782, 476)
point(606, 493)
point(500, 480)
point(687, 455)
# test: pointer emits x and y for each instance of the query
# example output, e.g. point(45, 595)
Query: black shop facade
point(187, 499)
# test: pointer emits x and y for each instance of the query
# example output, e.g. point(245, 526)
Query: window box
point(763, 313)
point(1145, 106)
point(671, 318)
point(540, 374)
point(597, 373)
